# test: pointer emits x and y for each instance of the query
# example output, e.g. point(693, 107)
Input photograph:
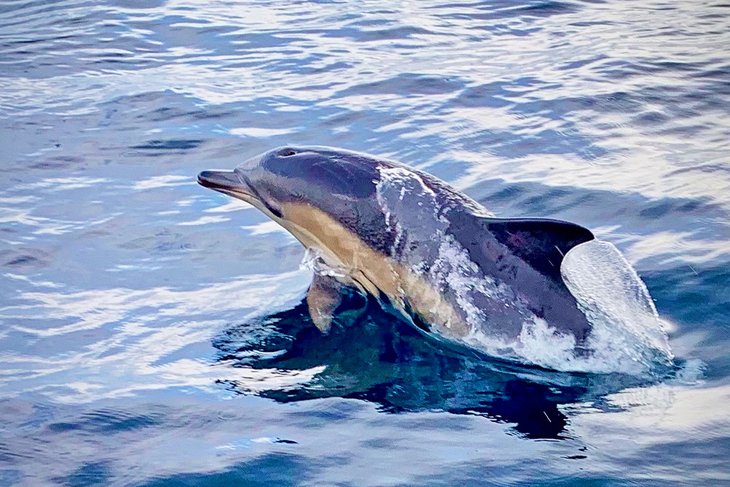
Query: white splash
point(617, 303)
point(312, 260)
point(626, 337)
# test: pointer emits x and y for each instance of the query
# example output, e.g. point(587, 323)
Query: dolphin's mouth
point(224, 181)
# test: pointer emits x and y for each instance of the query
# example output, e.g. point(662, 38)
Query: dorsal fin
point(541, 243)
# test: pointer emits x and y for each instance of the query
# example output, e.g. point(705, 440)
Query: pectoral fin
point(324, 296)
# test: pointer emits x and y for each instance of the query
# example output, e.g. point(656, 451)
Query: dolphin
point(409, 239)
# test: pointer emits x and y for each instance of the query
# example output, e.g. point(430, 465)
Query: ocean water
point(152, 331)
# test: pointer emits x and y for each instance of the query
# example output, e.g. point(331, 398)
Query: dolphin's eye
point(287, 152)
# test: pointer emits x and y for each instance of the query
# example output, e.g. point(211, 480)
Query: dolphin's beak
point(223, 181)
point(236, 185)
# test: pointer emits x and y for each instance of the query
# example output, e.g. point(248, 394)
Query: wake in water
point(626, 333)
point(373, 356)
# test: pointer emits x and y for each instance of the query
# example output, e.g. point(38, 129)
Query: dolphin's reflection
point(375, 356)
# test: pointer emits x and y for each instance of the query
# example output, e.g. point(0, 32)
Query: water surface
point(152, 332)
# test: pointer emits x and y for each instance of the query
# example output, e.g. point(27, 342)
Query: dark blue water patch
point(29, 8)
point(665, 206)
point(8, 7)
point(407, 84)
point(706, 456)
point(315, 67)
point(138, 4)
point(560, 108)
point(472, 474)
point(504, 9)
point(57, 162)
point(88, 475)
point(49, 56)
point(691, 101)
point(169, 113)
point(336, 412)
point(298, 66)
point(507, 143)
point(178, 31)
point(591, 23)
point(718, 74)
point(22, 260)
point(572, 65)
point(703, 168)
point(51, 41)
point(377, 35)
point(678, 289)
point(163, 106)
point(169, 145)
point(109, 421)
point(202, 122)
point(548, 8)
point(10, 477)
point(272, 469)
point(7, 456)
point(651, 118)
point(25, 258)
point(492, 95)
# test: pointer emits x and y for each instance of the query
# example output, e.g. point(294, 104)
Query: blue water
point(152, 331)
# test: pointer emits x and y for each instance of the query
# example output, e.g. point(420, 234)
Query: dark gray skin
point(434, 253)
